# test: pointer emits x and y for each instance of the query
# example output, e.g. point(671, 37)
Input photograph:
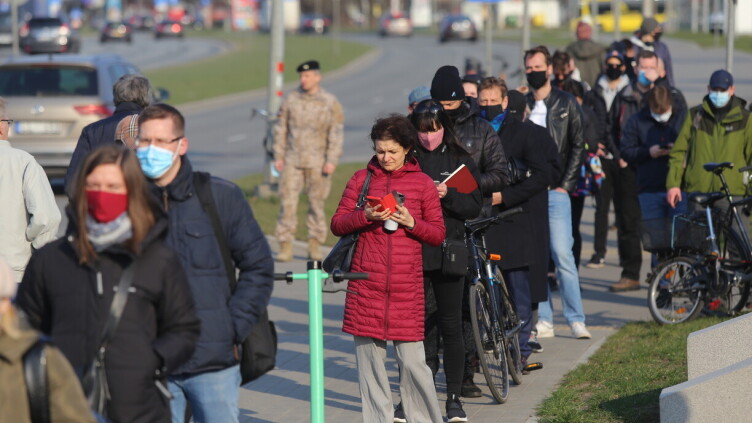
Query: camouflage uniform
point(308, 134)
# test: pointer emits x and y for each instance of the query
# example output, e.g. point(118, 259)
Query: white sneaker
point(579, 331)
point(545, 329)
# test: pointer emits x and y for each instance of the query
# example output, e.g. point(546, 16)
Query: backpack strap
point(202, 184)
point(35, 376)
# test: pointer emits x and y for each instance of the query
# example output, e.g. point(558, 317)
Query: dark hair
point(646, 54)
point(494, 82)
point(539, 49)
point(659, 99)
point(560, 60)
point(573, 87)
point(140, 202)
point(398, 128)
point(163, 111)
point(429, 114)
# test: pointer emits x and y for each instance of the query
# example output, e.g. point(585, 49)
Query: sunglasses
point(431, 107)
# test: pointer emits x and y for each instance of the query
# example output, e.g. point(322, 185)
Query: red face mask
point(106, 206)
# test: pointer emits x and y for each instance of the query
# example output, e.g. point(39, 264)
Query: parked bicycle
point(493, 314)
point(710, 262)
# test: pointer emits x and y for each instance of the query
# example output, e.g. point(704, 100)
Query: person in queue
point(389, 305)
point(69, 286)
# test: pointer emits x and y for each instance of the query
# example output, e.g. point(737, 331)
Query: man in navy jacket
point(210, 380)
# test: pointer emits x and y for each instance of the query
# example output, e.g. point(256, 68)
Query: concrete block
point(719, 346)
point(719, 396)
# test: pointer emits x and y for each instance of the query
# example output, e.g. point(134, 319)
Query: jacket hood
point(639, 43)
point(603, 82)
point(585, 49)
point(411, 166)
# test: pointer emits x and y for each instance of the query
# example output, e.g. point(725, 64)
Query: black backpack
point(35, 376)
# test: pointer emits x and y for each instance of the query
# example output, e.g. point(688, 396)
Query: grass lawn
point(741, 43)
point(266, 209)
point(622, 381)
point(245, 67)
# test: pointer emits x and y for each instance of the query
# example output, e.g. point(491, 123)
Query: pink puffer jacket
point(390, 304)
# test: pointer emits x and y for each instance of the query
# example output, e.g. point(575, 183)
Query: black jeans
point(444, 315)
point(602, 206)
point(578, 204)
point(629, 216)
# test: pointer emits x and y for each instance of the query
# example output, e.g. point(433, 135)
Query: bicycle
point(710, 261)
point(493, 314)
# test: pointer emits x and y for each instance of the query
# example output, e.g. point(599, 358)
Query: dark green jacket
point(703, 139)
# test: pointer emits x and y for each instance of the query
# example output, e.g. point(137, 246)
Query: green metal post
point(316, 328)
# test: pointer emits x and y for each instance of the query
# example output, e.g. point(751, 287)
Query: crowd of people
point(136, 308)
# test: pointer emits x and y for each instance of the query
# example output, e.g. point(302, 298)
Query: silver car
point(52, 98)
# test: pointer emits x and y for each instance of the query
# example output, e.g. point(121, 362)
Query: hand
point(656, 151)
point(561, 190)
point(279, 165)
point(673, 196)
point(622, 163)
point(442, 188)
point(601, 150)
point(403, 217)
point(328, 169)
point(372, 214)
point(496, 199)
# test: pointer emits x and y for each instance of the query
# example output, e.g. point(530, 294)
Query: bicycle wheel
point(511, 324)
point(676, 291)
point(489, 343)
point(735, 263)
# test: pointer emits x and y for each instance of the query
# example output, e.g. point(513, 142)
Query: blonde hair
point(9, 322)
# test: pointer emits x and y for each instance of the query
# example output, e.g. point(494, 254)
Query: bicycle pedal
point(533, 366)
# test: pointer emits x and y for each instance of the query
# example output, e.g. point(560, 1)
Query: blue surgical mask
point(719, 98)
point(155, 161)
point(662, 118)
point(642, 79)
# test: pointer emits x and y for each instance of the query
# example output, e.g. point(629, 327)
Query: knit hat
point(8, 283)
point(648, 25)
point(447, 85)
point(516, 103)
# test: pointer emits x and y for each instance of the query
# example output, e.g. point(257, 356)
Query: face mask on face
point(662, 118)
point(490, 112)
point(537, 79)
point(719, 98)
point(106, 206)
point(643, 80)
point(613, 73)
point(454, 113)
point(431, 140)
point(156, 161)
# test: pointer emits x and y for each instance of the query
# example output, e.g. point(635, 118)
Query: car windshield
point(41, 23)
point(35, 81)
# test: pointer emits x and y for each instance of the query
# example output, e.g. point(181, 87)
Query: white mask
point(662, 118)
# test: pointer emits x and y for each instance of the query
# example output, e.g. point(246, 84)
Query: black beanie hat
point(447, 85)
point(516, 103)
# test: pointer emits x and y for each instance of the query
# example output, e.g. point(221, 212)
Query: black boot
point(470, 389)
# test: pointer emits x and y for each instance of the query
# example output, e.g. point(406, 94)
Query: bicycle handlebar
point(480, 224)
point(745, 169)
point(337, 276)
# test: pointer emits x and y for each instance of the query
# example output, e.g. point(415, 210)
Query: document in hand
point(383, 203)
point(462, 180)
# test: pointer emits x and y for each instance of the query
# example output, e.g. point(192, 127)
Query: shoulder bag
point(35, 376)
point(341, 255)
point(258, 352)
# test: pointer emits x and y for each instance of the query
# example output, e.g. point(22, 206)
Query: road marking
point(237, 137)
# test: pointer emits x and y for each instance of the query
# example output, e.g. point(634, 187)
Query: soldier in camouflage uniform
point(307, 146)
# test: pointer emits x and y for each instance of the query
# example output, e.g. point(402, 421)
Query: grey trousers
point(416, 382)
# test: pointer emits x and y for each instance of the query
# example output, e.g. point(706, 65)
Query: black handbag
point(258, 352)
point(454, 257)
point(341, 255)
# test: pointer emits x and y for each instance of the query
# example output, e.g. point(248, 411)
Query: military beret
point(309, 65)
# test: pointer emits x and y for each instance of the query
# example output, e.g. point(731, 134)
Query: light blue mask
point(719, 98)
point(155, 161)
point(642, 79)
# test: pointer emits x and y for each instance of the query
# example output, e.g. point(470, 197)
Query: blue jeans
point(560, 227)
point(655, 206)
point(518, 281)
point(213, 396)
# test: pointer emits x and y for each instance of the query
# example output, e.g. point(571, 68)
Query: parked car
point(141, 22)
point(51, 99)
point(395, 24)
point(6, 29)
point(168, 29)
point(314, 24)
point(717, 22)
point(116, 31)
point(630, 15)
point(457, 27)
point(48, 35)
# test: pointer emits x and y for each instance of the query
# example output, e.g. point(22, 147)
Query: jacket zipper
point(388, 265)
point(165, 199)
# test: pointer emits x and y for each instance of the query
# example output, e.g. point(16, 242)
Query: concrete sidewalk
point(282, 395)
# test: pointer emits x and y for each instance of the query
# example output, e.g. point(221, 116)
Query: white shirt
point(29, 216)
point(538, 114)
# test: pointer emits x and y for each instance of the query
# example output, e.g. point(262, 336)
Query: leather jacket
point(564, 123)
point(480, 140)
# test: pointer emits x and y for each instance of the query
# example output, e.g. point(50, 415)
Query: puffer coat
point(389, 305)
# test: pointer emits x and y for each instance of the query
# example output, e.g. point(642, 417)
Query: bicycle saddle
point(706, 200)
point(717, 168)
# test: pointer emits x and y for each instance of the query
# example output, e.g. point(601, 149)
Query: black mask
point(657, 36)
point(537, 79)
point(649, 43)
point(490, 112)
point(613, 73)
point(455, 113)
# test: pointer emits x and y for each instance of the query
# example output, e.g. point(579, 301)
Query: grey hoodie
point(588, 57)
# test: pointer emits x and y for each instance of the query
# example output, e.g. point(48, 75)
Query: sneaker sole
point(398, 420)
point(595, 266)
point(546, 334)
point(457, 419)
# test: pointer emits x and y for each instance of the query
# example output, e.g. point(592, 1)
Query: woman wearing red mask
point(439, 154)
point(69, 286)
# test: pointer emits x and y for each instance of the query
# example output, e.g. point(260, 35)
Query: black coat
point(157, 331)
point(564, 124)
point(456, 207)
point(595, 101)
point(101, 132)
point(523, 240)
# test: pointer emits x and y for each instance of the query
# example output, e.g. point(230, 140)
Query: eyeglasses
point(10, 121)
point(428, 106)
point(147, 141)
